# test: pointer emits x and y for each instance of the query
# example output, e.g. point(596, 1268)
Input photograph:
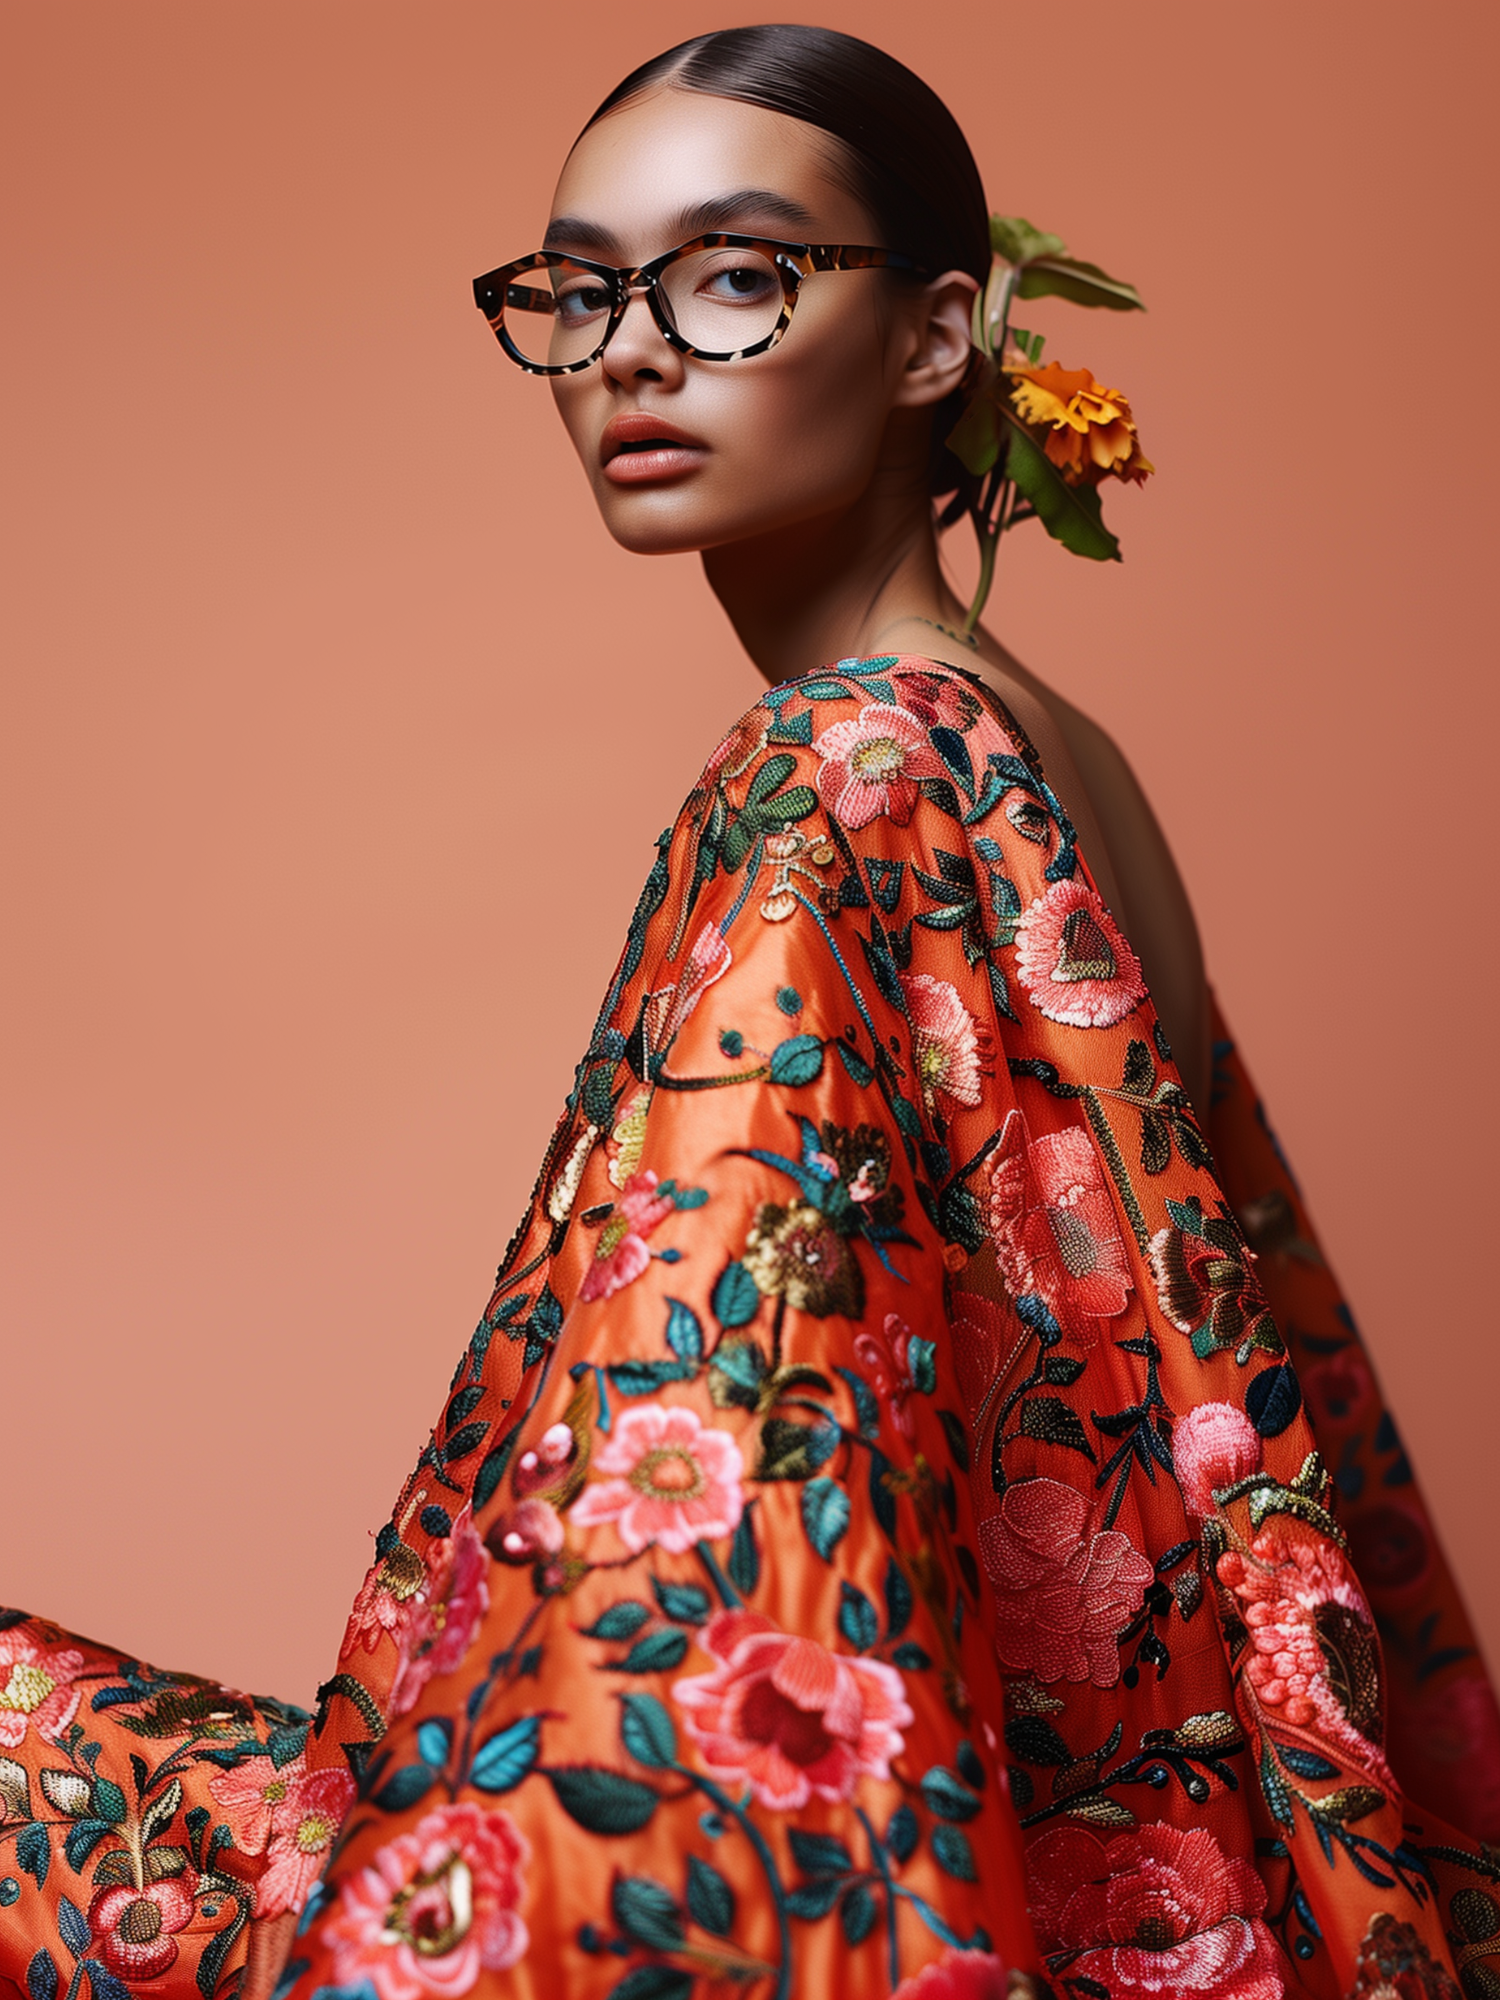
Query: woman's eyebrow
point(720, 211)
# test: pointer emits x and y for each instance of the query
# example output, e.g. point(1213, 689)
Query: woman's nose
point(638, 349)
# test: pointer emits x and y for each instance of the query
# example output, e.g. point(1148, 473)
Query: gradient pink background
point(338, 732)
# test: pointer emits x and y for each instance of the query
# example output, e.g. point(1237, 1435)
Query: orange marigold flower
point(1091, 433)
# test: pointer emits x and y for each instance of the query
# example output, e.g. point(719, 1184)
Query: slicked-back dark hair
point(900, 151)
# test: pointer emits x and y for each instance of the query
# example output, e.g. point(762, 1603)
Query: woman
point(876, 1540)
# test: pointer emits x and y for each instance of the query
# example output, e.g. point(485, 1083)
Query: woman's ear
point(939, 355)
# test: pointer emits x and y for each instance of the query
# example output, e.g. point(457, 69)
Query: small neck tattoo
point(962, 638)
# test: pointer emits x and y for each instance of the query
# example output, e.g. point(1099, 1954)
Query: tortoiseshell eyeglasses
point(718, 298)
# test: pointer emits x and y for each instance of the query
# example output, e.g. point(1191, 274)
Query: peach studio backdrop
point(337, 732)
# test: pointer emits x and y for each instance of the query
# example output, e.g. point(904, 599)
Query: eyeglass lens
point(719, 300)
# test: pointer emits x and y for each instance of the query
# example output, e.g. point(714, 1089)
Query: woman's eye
point(577, 302)
point(740, 281)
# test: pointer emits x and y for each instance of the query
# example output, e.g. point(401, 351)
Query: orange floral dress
point(914, 1518)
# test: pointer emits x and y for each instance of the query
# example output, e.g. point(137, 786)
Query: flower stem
point(878, 1856)
point(767, 1861)
point(728, 1595)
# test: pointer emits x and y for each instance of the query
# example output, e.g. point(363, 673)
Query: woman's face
point(746, 447)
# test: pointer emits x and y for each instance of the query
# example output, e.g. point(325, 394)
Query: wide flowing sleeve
point(876, 1498)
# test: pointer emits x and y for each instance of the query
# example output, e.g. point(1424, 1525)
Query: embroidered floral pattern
point(1073, 960)
point(1063, 1593)
point(1054, 1228)
point(676, 1482)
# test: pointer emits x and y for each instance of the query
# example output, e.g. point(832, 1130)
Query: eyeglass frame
point(793, 262)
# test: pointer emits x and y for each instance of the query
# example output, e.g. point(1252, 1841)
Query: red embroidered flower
point(36, 1688)
point(385, 1600)
point(134, 1930)
point(676, 1482)
point(1313, 1659)
point(1395, 1964)
point(948, 1045)
point(1052, 1218)
point(1213, 1445)
point(433, 1908)
point(871, 765)
point(1073, 960)
point(787, 1717)
point(957, 1975)
point(528, 1534)
point(897, 1362)
point(935, 697)
point(620, 1256)
point(448, 1613)
point(1156, 1912)
point(1062, 1594)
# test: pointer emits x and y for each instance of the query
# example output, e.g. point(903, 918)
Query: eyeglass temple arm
point(857, 257)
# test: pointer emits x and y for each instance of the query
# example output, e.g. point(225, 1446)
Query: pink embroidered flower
point(385, 1600)
point(434, 1908)
point(547, 1462)
point(948, 1046)
point(1313, 1659)
point(1062, 1593)
point(36, 1688)
point(1073, 960)
point(1156, 1912)
point(291, 1815)
point(897, 1363)
point(675, 1483)
point(787, 1717)
point(742, 745)
point(1053, 1221)
point(957, 1975)
point(447, 1614)
point(1213, 1445)
point(134, 1930)
point(620, 1256)
point(936, 696)
point(669, 1007)
point(303, 1829)
point(529, 1533)
point(871, 766)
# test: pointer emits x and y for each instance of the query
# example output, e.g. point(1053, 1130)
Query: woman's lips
point(641, 450)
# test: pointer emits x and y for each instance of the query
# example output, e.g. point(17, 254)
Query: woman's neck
point(863, 581)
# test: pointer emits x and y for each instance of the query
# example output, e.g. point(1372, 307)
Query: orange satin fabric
point(876, 1540)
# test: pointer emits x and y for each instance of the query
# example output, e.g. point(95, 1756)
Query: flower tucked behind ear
point(1091, 433)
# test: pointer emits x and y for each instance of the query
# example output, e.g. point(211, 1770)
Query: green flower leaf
point(710, 1899)
point(655, 1654)
point(504, 1759)
point(646, 1730)
point(1072, 515)
point(797, 1060)
point(1019, 241)
point(825, 1515)
point(978, 437)
point(1081, 284)
point(647, 1911)
point(601, 1800)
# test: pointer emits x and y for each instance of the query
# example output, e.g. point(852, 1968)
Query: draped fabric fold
point(896, 1526)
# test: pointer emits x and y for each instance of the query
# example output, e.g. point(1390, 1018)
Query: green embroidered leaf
point(688, 1603)
point(1053, 1421)
point(859, 1071)
point(41, 1976)
point(81, 1841)
point(736, 1297)
point(646, 1731)
point(857, 1618)
point(710, 1899)
point(953, 1854)
point(744, 1556)
point(948, 1796)
point(654, 1982)
point(857, 1912)
point(1035, 1741)
point(601, 1800)
point(655, 1654)
point(33, 1854)
point(825, 1515)
point(684, 1334)
point(971, 1765)
point(797, 1060)
point(902, 1834)
point(794, 1451)
point(405, 1787)
point(505, 1758)
point(736, 1372)
point(898, 1600)
point(819, 1853)
point(646, 1910)
point(621, 1620)
point(773, 773)
point(911, 1658)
